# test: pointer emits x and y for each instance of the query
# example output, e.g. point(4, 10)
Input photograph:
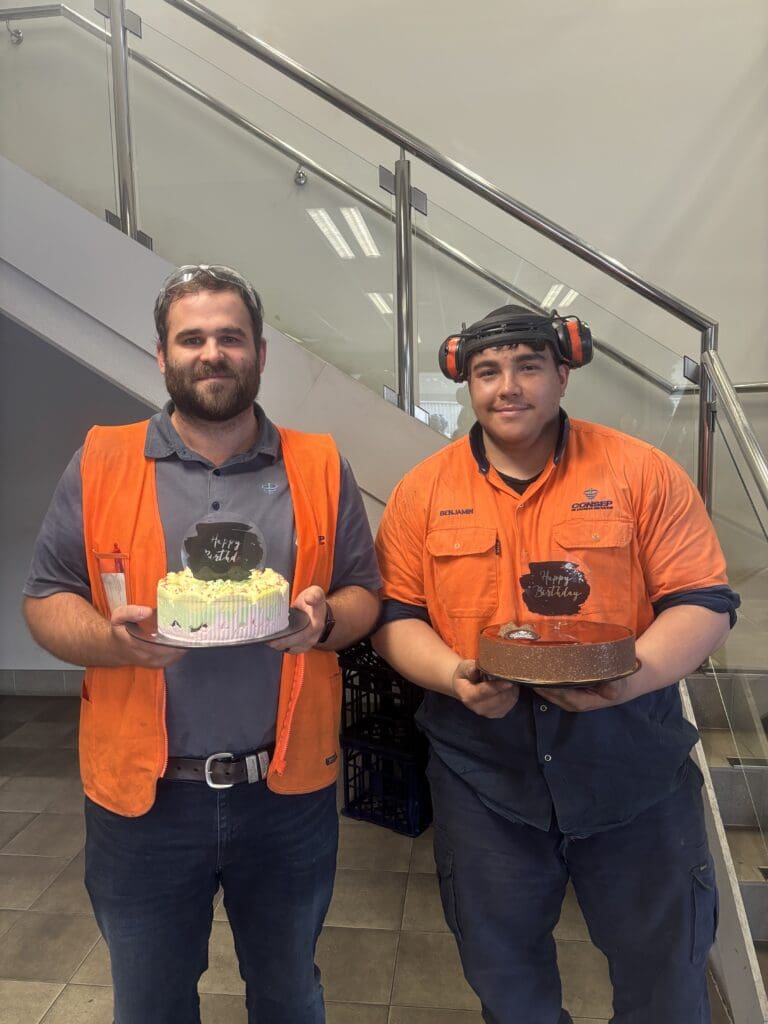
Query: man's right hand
point(489, 697)
point(138, 652)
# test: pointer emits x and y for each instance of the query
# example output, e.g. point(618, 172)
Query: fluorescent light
point(549, 298)
point(359, 229)
point(568, 298)
point(332, 234)
point(382, 302)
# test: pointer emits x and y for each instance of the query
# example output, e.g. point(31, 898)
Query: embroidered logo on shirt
point(554, 588)
point(456, 511)
point(591, 493)
point(270, 488)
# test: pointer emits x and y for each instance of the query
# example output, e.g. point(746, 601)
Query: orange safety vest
point(123, 739)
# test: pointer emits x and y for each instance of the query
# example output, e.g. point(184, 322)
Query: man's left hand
point(589, 698)
point(312, 601)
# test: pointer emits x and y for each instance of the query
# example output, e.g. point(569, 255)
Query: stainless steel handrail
point(452, 169)
point(742, 428)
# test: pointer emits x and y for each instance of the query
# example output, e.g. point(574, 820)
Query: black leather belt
point(222, 770)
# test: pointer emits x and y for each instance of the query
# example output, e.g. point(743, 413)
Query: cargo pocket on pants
point(446, 879)
point(705, 910)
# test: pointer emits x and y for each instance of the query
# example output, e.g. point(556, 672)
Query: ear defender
point(512, 325)
point(574, 340)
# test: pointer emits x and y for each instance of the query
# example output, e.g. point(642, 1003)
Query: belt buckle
point(208, 762)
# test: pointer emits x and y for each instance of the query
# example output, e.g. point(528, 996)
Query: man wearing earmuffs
point(535, 515)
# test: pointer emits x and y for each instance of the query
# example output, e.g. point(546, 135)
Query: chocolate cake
point(557, 651)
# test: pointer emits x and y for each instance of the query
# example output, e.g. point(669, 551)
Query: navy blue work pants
point(646, 890)
point(152, 881)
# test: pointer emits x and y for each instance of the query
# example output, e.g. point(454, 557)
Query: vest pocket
point(465, 570)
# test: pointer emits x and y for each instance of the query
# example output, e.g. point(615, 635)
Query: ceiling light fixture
point(359, 229)
point(549, 298)
point(379, 300)
point(332, 234)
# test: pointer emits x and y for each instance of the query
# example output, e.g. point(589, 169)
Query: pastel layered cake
point(221, 610)
point(557, 651)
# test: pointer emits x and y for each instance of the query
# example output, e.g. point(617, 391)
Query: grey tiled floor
point(385, 953)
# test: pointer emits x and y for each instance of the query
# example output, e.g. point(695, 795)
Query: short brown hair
point(191, 279)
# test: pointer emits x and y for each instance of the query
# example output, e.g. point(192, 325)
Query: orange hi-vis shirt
point(123, 741)
point(609, 528)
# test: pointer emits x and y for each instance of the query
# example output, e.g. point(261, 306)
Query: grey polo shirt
point(218, 698)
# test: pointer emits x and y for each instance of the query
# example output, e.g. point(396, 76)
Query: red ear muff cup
point(448, 359)
point(576, 357)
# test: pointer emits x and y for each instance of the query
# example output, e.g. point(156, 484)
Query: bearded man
point(216, 766)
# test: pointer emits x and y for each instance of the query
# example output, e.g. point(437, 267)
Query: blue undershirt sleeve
point(717, 599)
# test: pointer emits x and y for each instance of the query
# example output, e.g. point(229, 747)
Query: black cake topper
point(224, 551)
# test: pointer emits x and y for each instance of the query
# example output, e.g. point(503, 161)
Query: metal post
point(404, 297)
point(125, 175)
point(706, 465)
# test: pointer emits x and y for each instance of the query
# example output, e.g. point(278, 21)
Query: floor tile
point(429, 1015)
point(222, 1009)
point(41, 735)
point(22, 879)
point(46, 947)
point(49, 835)
point(81, 1004)
point(7, 918)
point(16, 708)
point(571, 924)
point(355, 1013)
point(25, 1002)
point(17, 760)
point(222, 975)
point(428, 973)
point(32, 794)
point(61, 709)
point(52, 761)
point(66, 894)
point(422, 854)
point(367, 899)
point(375, 848)
point(357, 964)
point(95, 969)
point(587, 988)
point(11, 823)
point(423, 909)
point(70, 798)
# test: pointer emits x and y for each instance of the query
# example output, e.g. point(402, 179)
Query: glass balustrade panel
point(55, 106)
point(213, 189)
point(634, 383)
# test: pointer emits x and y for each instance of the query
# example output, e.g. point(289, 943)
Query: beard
point(222, 399)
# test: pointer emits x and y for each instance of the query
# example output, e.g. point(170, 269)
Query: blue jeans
point(646, 890)
point(152, 881)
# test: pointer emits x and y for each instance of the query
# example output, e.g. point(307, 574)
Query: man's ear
point(160, 355)
point(563, 372)
point(262, 354)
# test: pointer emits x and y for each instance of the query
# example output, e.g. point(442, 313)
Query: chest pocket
point(602, 549)
point(465, 570)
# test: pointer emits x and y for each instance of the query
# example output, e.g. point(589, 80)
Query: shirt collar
point(477, 444)
point(163, 439)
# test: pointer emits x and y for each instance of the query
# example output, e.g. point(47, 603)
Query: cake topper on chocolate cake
point(223, 550)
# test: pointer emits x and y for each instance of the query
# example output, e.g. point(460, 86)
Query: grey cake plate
point(562, 685)
point(146, 630)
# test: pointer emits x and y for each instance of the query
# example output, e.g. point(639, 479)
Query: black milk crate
point(378, 704)
point(386, 787)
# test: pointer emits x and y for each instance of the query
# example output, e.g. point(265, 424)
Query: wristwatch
point(330, 622)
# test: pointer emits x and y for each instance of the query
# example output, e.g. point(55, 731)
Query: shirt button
point(547, 757)
point(215, 505)
point(543, 707)
point(217, 472)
